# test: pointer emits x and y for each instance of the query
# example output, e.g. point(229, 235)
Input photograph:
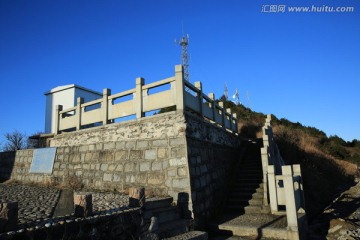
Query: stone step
point(249, 174)
point(193, 235)
point(256, 209)
point(248, 184)
point(158, 203)
point(163, 214)
point(253, 195)
point(247, 189)
point(244, 201)
point(248, 179)
point(256, 232)
point(173, 228)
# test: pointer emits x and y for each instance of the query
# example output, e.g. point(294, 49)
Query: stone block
point(171, 173)
point(176, 142)
point(156, 166)
point(155, 179)
point(145, 166)
point(120, 145)
point(160, 143)
point(8, 216)
point(107, 177)
point(203, 169)
point(178, 161)
point(104, 167)
point(116, 178)
point(150, 154)
point(121, 155)
point(119, 168)
point(130, 179)
point(84, 148)
point(180, 183)
point(165, 164)
point(130, 167)
point(142, 144)
point(83, 205)
point(108, 156)
point(130, 145)
point(56, 165)
point(136, 197)
point(178, 152)
point(181, 171)
point(136, 155)
point(109, 145)
point(162, 153)
point(111, 167)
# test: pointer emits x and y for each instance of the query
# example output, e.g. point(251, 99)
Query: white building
point(65, 96)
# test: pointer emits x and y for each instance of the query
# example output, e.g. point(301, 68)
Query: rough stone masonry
point(176, 154)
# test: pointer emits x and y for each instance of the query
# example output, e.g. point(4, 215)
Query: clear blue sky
point(301, 66)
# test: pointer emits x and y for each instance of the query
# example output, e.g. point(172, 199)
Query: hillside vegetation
point(328, 164)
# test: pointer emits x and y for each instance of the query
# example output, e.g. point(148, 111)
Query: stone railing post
point(264, 163)
point(136, 197)
point(179, 88)
point(105, 106)
point(235, 126)
point(228, 110)
point(139, 97)
point(291, 212)
point(59, 108)
point(212, 98)
point(222, 110)
point(8, 216)
point(297, 172)
point(272, 189)
point(198, 85)
point(79, 101)
point(83, 206)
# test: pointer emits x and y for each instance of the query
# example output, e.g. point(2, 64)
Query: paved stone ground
point(33, 202)
point(341, 220)
point(38, 203)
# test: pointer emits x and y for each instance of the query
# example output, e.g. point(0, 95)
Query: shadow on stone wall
point(7, 160)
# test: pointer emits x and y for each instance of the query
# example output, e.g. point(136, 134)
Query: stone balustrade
point(282, 184)
point(181, 94)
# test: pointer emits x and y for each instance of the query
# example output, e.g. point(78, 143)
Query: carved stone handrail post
point(79, 101)
point(105, 105)
point(179, 88)
point(139, 97)
point(291, 212)
point(59, 108)
point(198, 85)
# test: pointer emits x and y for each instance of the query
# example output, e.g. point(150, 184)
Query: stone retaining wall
point(172, 154)
point(212, 154)
point(6, 165)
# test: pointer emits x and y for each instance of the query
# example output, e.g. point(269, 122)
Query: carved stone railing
point(283, 185)
point(181, 94)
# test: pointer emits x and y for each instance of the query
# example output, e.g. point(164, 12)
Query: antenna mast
point(184, 42)
point(226, 92)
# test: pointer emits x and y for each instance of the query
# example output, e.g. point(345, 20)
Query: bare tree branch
point(15, 141)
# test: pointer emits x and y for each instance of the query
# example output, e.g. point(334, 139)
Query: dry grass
point(323, 175)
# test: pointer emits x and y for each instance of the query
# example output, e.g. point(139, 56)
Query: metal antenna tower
point(184, 42)
point(226, 92)
point(236, 97)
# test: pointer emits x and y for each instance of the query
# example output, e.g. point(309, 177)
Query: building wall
point(65, 96)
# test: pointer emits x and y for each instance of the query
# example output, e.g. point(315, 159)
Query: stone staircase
point(248, 190)
point(170, 223)
point(245, 214)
